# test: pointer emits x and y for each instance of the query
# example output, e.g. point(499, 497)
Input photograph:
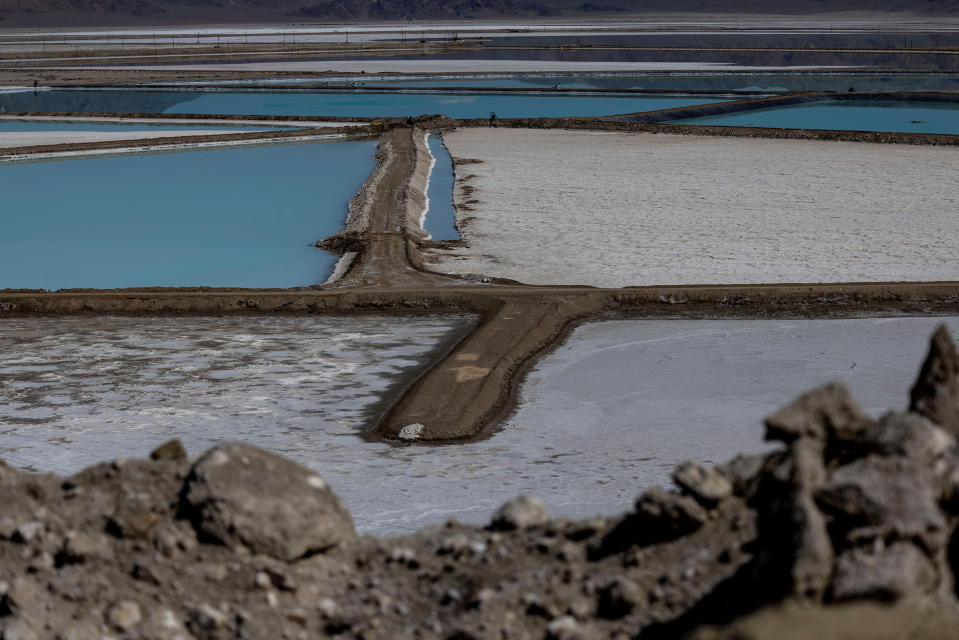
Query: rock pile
point(848, 530)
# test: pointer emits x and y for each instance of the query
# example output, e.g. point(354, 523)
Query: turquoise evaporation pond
point(454, 105)
point(363, 105)
point(895, 116)
point(238, 217)
point(440, 220)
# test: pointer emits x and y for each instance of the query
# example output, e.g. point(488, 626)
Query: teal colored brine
point(238, 217)
point(847, 115)
point(362, 105)
point(440, 220)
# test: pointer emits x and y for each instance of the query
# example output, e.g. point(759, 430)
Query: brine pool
point(660, 81)
point(904, 117)
point(440, 221)
point(364, 105)
point(607, 414)
point(227, 217)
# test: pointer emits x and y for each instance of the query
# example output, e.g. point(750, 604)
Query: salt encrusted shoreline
point(342, 266)
point(426, 189)
point(13, 157)
point(417, 201)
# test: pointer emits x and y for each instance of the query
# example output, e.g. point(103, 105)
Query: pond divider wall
point(464, 90)
point(186, 140)
point(186, 116)
point(361, 206)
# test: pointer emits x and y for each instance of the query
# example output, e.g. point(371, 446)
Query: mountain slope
point(27, 12)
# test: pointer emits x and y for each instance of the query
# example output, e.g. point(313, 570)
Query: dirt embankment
point(847, 530)
point(309, 129)
point(353, 236)
point(186, 140)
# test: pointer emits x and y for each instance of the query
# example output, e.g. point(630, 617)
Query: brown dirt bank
point(413, 89)
point(143, 143)
point(722, 300)
point(847, 531)
point(198, 116)
point(362, 127)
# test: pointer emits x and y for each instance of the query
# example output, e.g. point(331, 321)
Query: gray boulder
point(242, 496)
point(884, 498)
point(910, 435)
point(826, 413)
point(520, 513)
point(744, 473)
point(664, 516)
point(813, 553)
point(707, 485)
point(802, 524)
point(935, 394)
point(888, 573)
point(618, 598)
point(170, 450)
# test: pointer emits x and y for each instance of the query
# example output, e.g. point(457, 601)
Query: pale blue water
point(64, 125)
point(440, 217)
point(364, 105)
point(243, 217)
point(678, 82)
point(400, 104)
point(907, 117)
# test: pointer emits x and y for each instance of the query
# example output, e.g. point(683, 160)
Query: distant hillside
point(93, 12)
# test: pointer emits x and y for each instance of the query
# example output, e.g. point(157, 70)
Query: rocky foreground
point(847, 531)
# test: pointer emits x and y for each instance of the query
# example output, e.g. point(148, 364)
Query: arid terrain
point(627, 300)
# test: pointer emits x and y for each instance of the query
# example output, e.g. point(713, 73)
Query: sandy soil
point(608, 209)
